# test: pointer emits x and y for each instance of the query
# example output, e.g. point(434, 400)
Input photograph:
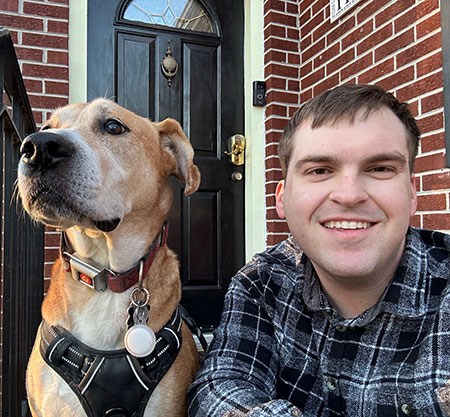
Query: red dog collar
point(98, 278)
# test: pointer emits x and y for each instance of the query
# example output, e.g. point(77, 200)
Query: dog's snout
point(45, 149)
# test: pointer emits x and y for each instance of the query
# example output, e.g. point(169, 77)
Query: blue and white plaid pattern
point(282, 350)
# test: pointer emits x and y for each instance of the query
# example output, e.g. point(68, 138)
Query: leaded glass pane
point(182, 14)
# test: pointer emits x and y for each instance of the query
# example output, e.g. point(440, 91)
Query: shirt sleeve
point(238, 375)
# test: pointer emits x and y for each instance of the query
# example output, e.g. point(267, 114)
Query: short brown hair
point(342, 103)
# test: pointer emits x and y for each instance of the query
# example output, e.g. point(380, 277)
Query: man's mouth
point(347, 224)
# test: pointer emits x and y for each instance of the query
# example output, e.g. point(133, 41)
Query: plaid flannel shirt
point(282, 350)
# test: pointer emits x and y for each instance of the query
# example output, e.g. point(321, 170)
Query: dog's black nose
point(45, 149)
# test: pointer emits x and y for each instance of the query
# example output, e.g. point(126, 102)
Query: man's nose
point(349, 190)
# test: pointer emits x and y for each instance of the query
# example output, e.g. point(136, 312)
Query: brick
point(341, 30)
point(47, 102)
point(419, 50)
point(377, 71)
point(276, 110)
point(356, 36)
point(274, 162)
point(274, 5)
point(393, 10)
point(397, 78)
point(37, 115)
point(273, 240)
point(415, 221)
point(326, 84)
point(313, 50)
point(292, 8)
point(33, 86)
point(304, 4)
point(436, 221)
point(46, 10)
point(414, 108)
point(45, 71)
point(58, 26)
point(284, 19)
point(20, 22)
point(306, 69)
point(407, 19)
point(313, 78)
point(271, 214)
point(272, 138)
point(357, 66)
point(420, 87)
point(293, 34)
point(327, 54)
point(48, 269)
point(274, 56)
point(374, 39)
point(29, 54)
point(305, 42)
point(275, 176)
point(305, 96)
point(293, 85)
point(281, 70)
point(340, 61)
point(52, 239)
point(432, 102)
point(294, 59)
point(279, 227)
point(48, 41)
point(292, 110)
point(440, 181)
point(275, 123)
point(319, 5)
point(370, 9)
point(429, 162)
point(280, 44)
point(274, 30)
point(426, 7)
point(272, 149)
point(432, 142)
point(431, 202)
point(322, 30)
point(431, 24)
point(10, 5)
point(51, 254)
point(431, 123)
point(429, 64)
point(52, 87)
point(394, 45)
point(304, 17)
point(312, 24)
point(275, 83)
point(58, 58)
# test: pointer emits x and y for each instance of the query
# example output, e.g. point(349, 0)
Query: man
point(359, 323)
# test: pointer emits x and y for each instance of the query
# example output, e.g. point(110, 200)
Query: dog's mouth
point(107, 225)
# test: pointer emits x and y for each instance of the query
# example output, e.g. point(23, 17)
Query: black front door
point(127, 43)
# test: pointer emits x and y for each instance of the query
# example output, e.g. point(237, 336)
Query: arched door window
point(181, 14)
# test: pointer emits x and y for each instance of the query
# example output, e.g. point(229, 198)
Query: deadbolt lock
point(237, 149)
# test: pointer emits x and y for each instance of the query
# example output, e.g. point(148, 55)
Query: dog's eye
point(114, 127)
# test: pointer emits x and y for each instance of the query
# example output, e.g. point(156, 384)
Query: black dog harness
point(110, 383)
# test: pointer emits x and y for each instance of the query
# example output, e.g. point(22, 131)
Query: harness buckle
point(89, 273)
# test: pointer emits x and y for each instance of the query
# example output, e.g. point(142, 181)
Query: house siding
point(396, 45)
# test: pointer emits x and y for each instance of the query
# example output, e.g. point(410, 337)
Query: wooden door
point(127, 42)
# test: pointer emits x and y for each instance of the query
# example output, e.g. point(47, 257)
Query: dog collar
point(97, 277)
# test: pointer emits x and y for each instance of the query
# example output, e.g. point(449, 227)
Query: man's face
point(348, 196)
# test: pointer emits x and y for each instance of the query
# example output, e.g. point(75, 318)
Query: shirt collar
point(407, 295)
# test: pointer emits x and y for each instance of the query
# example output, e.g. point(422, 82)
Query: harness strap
point(110, 380)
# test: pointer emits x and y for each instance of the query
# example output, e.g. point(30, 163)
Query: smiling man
point(357, 321)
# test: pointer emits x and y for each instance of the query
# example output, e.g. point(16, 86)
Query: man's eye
point(114, 127)
point(382, 169)
point(319, 171)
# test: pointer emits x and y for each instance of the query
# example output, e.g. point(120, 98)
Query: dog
point(99, 173)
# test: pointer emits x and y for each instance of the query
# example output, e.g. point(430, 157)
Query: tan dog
point(99, 172)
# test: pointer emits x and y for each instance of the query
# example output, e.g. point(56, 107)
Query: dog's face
point(93, 164)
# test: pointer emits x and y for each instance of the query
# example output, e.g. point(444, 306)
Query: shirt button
point(341, 328)
point(406, 408)
point(332, 384)
point(295, 411)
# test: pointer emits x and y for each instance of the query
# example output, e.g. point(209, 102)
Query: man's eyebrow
point(372, 159)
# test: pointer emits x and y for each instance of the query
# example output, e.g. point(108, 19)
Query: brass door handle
point(237, 149)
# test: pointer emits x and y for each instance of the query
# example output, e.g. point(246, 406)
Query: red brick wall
point(39, 29)
point(396, 45)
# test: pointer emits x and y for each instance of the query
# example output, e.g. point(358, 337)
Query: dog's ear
point(175, 142)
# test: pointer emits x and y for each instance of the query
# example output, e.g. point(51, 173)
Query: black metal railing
point(22, 244)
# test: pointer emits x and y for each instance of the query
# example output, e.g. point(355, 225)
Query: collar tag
point(89, 273)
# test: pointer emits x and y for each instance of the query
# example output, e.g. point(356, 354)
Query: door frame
point(255, 222)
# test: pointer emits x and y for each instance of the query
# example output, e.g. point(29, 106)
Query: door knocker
point(169, 66)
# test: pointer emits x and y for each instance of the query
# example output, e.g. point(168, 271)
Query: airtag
point(140, 340)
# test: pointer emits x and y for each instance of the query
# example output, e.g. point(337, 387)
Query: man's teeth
point(344, 224)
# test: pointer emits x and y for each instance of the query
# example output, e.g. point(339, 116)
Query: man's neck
point(352, 296)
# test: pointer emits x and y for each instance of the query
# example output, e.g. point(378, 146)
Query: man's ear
point(176, 144)
point(413, 195)
point(279, 193)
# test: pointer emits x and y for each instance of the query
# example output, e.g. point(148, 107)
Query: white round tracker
point(140, 340)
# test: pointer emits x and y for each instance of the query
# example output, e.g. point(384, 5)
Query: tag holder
point(89, 273)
